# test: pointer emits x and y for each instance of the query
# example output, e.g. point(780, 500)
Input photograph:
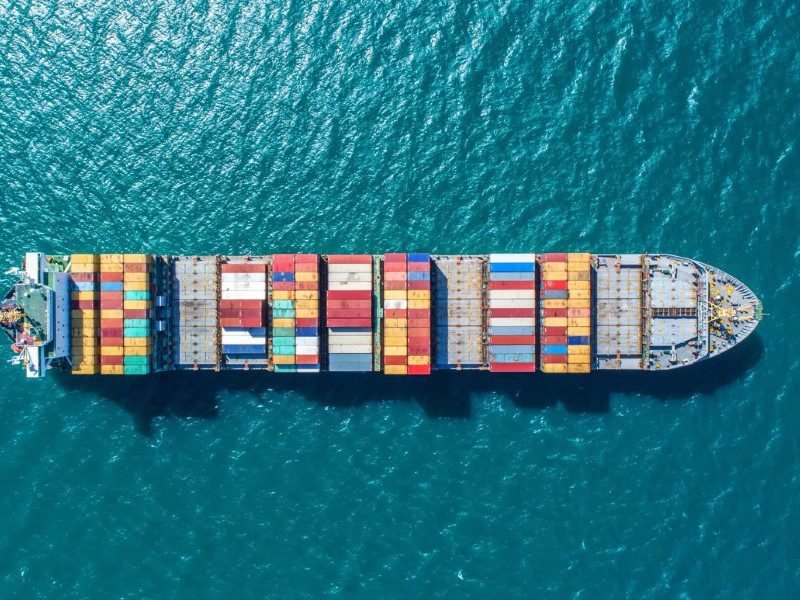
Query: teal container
point(137, 295)
point(136, 323)
point(136, 332)
point(283, 351)
point(283, 313)
point(282, 304)
point(135, 369)
point(283, 332)
point(136, 360)
point(285, 369)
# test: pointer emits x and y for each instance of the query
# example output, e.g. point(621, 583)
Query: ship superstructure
point(397, 313)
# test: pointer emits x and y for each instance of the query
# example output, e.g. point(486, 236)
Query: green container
point(283, 304)
point(136, 323)
point(285, 369)
point(136, 360)
point(136, 332)
point(137, 295)
point(136, 369)
point(283, 313)
point(283, 351)
point(279, 332)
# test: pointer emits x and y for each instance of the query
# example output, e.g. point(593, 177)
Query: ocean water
point(256, 126)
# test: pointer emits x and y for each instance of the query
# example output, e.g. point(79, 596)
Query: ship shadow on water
point(441, 395)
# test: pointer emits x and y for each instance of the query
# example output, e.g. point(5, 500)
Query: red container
point(284, 286)
point(579, 312)
point(512, 340)
point(242, 322)
point(395, 276)
point(136, 267)
point(554, 312)
point(419, 285)
point(111, 342)
point(419, 323)
point(112, 277)
point(110, 332)
point(306, 359)
point(554, 331)
point(394, 313)
point(84, 304)
point(241, 313)
point(394, 285)
point(348, 313)
point(349, 295)
point(419, 369)
point(306, 258)
point(556, 340)
point(395, 257)
point(394, 360)
point(112, 360)
point(282, 257)
point(508, 313)
point(394, 267)
point(366, 323)
point(512, 285)
point(349, 259)
point(554, 359)
point(349, 303)
point(303, 285)
point(419, 313)
point(241, 304)
point(553, 257)
point(419, 347)
point(105, 295)
point(114, 323)
point(550, 284)
point(111, 304)
point(83, 276)
point(305, 322)
point(512, 367)
point(283, 265)
point(419, 266)
point(422, 332)
point(243, 268)
point(136, 313)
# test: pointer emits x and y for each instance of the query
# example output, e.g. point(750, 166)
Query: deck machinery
point(649, 312)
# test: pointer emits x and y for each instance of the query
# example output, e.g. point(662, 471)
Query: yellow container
point(578, 303)
point(554, 275)
point(578, 359)
point(307, 313)
point(419, 304)
point(395, 295)
point(549, 303)
point(91, 369)
point(112, 369)
point(137, 350)
point(554, 321)
point(283, 295)
point(136, 286)
point(306, 295)
point(579, 322)
point(307, 304)
point(554, 368)
point(283, 360)
point(580, 285)
point(135, 258)
point(395, 351)
point(111, 259)
point(306, 277)
point(395, 369)
point(111, 350)
point(576, 350)
point(137, 342)
point(579, 275)
point(580, 294)
point(395, 331)
point(579, 257)
point(110, 313)
point(84, 258)
point(110, 267)
point(396, 340)
point(130, 277)
point(554, 266)
point(419, 360)
point(419, 294)
point(283, 323)
point(83, 268)
point(581, 368)
point(579, 330)
point(396, 323)
point(137, 304)
point(83, 295)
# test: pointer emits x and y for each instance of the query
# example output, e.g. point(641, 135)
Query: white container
point(350, 348)
point(353, 268)
point(395, 304)
point(350, 285)
point(349, 277)
point(513, 303)
point(512, 258)
point(512, 322)
point(510, 294)
point(244, 285)
point(248, 295)
point(355, 338)
point(231, 277)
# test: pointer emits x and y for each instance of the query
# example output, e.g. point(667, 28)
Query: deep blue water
point(254, 126)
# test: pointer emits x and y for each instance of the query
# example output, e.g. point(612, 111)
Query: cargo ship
point(395, 313)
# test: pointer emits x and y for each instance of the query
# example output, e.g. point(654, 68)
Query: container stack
point(395, 313)
point(112, 328)
point(84, 315)
point(284, 314)
point(194, 309)
point(458, 311)
point(349, 312)
point(419, 314)
point(579, 269)
point(136, 313)
point(306, 297)
point(512, 313)
point(242, 310)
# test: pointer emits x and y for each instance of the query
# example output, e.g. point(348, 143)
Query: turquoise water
point(242, 126)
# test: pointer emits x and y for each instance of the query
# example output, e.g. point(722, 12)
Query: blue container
point(111, 286)
point(511, 349)
point(511, 358)
point(136, 295)
point(257, 349)
point(511, 267)
point(578, 340)
point(84, 286)
point(554, 294)
point(283, 304)
point(554, 349)
point(278, 332)
point(136, 332)
point(282, 276)
point(285, 369)
point(418, 257)
point(419, 276)
point(511, 331)
point(498, 276)
point(283, 313)
point(307, 368)
point(306, 331)
point(135, 323)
